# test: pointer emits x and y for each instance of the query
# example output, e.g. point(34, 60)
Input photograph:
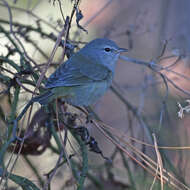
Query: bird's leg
point(63, 105)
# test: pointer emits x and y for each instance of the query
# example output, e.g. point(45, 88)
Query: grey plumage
point(86, 76)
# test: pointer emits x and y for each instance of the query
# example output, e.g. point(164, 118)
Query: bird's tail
point(44, 98)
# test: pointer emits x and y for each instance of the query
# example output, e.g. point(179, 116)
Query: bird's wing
point(78, 70)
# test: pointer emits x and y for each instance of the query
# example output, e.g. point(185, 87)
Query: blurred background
point(153, 31)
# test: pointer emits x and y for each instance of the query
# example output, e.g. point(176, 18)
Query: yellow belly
point(81, 95)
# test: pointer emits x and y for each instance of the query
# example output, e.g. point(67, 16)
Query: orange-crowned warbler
point(85, 76)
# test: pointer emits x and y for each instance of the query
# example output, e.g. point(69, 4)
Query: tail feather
point(44, 98)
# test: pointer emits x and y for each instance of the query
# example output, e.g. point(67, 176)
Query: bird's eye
point(107, 49)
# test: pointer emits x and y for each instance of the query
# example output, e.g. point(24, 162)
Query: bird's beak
point(120, 50)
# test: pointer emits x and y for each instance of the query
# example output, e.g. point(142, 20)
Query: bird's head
point(103, 51)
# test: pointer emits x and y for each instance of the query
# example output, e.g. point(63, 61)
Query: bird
point(85, 77)
point(81, 80)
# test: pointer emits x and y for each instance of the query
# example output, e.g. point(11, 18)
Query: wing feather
point(78, 70)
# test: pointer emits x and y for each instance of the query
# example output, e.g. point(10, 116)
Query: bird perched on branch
point(86, 76)
point(82, 79)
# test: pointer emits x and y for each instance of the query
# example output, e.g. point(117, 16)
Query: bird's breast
point(88, 94)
